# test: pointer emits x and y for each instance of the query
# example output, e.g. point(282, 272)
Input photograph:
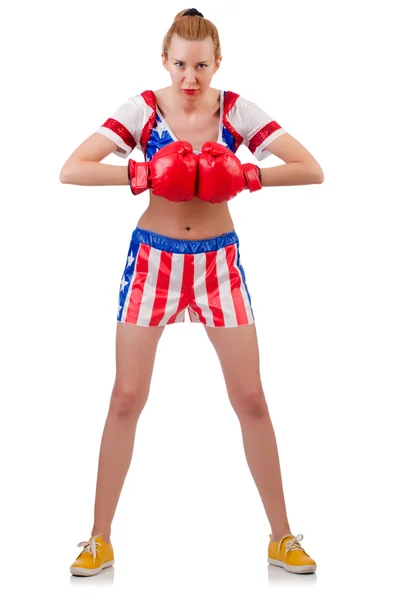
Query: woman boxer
point(184, 254)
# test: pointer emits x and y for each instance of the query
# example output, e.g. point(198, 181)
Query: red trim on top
point(262, 135)
point(122, 131)
point(228, 102)
point(150, 99)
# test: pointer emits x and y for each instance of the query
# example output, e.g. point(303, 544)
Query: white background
point(320, 262)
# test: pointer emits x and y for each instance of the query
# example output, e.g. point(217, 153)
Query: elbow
point(69, 172)
point(320, 177)
point(315, 172)
point(63, 177)
point(318, 174)
point(74, 172)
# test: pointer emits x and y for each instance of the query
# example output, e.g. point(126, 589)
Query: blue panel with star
point(159, 137)
point(127, 275)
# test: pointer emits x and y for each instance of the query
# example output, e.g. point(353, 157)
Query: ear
point(164, 61)
point(218, 63)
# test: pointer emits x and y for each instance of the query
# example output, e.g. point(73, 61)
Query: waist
point(193, 220)
point(182, 246)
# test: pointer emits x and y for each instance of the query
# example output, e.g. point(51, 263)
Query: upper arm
point(96, 148)
point(120, 133)
point(290, 150)
point(257, 128)
point(264, 136)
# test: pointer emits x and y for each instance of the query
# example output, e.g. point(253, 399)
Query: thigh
point(135, 354)
point(238, 353)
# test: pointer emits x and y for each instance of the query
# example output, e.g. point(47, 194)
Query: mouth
point(187, 91)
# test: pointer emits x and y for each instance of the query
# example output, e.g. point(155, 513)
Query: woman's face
point(191, 65)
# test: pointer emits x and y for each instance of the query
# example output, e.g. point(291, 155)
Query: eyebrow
point(198, 62)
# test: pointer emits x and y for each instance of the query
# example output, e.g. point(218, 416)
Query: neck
point(190, 106)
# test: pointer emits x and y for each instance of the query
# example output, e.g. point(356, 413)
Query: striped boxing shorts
point(164, 276)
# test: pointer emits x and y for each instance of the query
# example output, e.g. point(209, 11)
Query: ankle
point(104, 536)
point(276, 537)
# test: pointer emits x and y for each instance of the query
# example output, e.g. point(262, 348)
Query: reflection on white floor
point(105, 577)
point(278, 575)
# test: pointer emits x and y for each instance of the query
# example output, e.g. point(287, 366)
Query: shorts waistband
point(178, 246)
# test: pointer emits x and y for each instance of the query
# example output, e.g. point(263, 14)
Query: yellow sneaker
point(289, 554)
point(95, 556)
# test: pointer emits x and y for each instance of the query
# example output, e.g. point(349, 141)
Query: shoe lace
point(90, 547)
point(292, 544)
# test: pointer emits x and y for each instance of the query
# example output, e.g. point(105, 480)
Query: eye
point(200, 65)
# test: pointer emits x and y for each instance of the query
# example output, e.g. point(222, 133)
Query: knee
point(126, 402)
point(251, 403)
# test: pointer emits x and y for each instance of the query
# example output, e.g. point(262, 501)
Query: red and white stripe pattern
point(157, 286)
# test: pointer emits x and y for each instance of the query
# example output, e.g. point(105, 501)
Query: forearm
point(86, 172)
point(295, 173)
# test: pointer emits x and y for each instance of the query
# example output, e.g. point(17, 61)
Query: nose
point(190, 76)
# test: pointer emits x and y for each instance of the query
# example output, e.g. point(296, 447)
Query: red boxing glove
point(171, 173)
point(221, 176)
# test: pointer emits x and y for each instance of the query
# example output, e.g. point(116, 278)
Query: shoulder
point(236, 104)
point(126, 124)
point(237, 112)
point(255, 126)
point(162, 97)
point(245, 113)
point(135, 110)
point(162, 92)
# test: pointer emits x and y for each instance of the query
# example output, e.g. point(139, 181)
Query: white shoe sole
point(88, 572)
point(292, 569)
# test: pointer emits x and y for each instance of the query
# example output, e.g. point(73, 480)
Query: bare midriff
point(193, 220)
